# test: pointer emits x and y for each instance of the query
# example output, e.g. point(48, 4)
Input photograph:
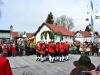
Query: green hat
point(1, 50)
point(84, 61)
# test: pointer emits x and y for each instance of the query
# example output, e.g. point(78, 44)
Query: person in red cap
point(5, 68)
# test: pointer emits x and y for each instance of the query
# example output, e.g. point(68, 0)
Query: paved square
point(28, 64)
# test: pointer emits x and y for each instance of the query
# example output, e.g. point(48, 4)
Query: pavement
point(27, 65)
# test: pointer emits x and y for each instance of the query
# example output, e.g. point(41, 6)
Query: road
point(28, 64)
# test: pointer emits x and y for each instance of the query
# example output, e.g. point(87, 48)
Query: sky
point(28, 15)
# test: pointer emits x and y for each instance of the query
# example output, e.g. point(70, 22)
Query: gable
point(29, 35)
point(14, 34)
point(79, 35)
point(55, 28)
point(84, 33)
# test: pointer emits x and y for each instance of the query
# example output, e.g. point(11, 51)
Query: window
point(56, 37)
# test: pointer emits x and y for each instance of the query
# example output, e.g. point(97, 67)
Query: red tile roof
point(14, 34)
point(87, 34)
point(84, 33)
point(29, 35)
point(56, 28)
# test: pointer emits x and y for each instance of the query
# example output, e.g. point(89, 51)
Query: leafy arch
point(60, 34)
point(51, 35)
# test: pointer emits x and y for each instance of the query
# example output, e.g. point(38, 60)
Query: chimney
point(56, 24)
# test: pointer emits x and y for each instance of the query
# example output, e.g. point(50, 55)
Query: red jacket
point(5, 68)
point(13, 49)
point(61, 48)
point(66, 47)
point(37, 47)
point(51, 48)
point(57, 47)
point(5, 49)
point(42, 47)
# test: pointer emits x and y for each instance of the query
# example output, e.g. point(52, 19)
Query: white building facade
point(57, 38)
point(82, 38)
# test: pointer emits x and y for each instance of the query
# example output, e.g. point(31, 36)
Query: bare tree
point(64, 21)
point(57, 21)
point(1, 3)
point(70, 23)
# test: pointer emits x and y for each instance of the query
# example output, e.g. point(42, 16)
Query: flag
point(87, 19)
point(92, 23)
point(91, 3)
point(97, 17)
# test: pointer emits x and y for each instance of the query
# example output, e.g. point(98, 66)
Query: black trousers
point(66, 53)
point(38, 54)
point(62, 54)
point(57, 54)
point(9, 53)
point(52, 54)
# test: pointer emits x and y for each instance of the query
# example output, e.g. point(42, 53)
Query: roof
point(87, 34)
point(5, 31)
point(56, 28)
point(84, 33)
point(14, 34)
point(73, 32)
point(29, 35)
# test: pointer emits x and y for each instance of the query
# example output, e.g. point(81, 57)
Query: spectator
point(5, 68)
point(83, 66)
point(5, 50)
point(13, 50)
point(9, 50)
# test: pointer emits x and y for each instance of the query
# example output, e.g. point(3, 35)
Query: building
point(20, 36)
point(4, 35)
point(14, 35)
point(83, 36)
point(67, 35)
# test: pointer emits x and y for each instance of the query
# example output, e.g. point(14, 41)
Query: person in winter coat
point(27, 49)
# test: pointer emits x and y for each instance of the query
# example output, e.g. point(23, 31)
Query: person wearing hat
point(5, 68)
point(83, 66)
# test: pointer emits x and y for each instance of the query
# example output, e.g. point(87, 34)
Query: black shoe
point(38, 59)
point(53, 62)
point(42, 61)
point(62, 61)
point(67, 59)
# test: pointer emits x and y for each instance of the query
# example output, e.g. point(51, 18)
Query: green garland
point(51, 35)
